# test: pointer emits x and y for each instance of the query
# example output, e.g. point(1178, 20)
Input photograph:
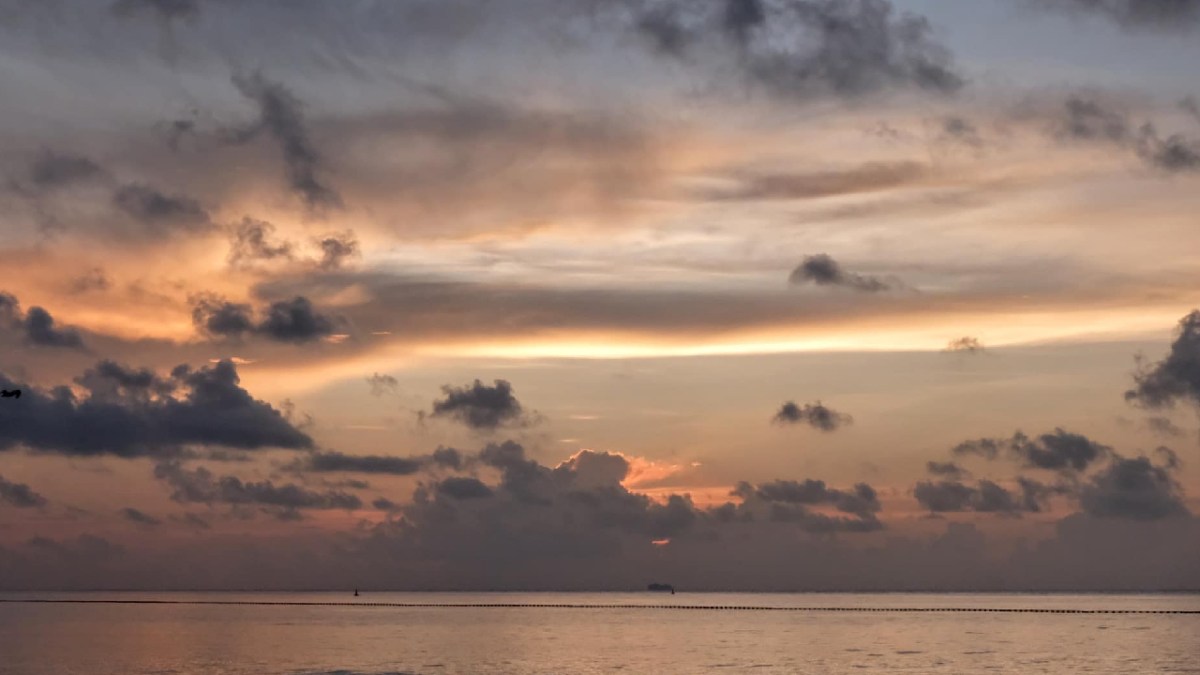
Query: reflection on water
point(127, 639)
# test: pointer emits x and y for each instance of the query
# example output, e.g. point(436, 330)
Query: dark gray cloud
point(1088, 119)
point(805, 48)
point(464, 488)
point(946, 469)
point(295, 320)
point(36, 326)
point(136, 413)
point(479, 406)
point(40, 330)
point(281, 116)
point(19, 495)
point(159, 214)
point(1135, 488)
point(823, 270)
point(1059, 450)
point(336, 249)
point(201, 486)
point(382, 464)
point(815, 415)
point(953, 496)
point(955, 129)
point(139, 517)
point(1176, 377)
point(251, 243)
point(792, 501)
point(1172, 15)
point(381, 384)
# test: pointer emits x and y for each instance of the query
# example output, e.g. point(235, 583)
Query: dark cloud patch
point(251, 242)
point(815, 415)
point(19, 495)
point(794, 501)
point(1087, 119)
point(953, 496)
point(281, 116)
point(200, 486)
point(805, 48)
point(139, 517)
point(381, 384)
point(136, 413)
point(36, 326)
point(1176, 377)
point(159, 214)
point(295, 320)
point(945, 469)
point(40, 330)
point(448, 458)
point(1059, 450)
point(1135, 488)
point(479, 406)
point(379, 464)
point(823, 270)
point(464, 488)
point(336, 249)
point(385, 504)
point(191, 521)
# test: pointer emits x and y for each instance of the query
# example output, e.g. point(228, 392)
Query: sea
point(376, 633)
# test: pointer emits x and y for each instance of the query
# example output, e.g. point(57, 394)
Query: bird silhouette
point(15, 393)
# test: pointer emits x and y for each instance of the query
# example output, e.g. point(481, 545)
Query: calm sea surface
point(132, 639)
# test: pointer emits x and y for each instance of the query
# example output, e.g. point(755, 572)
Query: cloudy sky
point(735, 294)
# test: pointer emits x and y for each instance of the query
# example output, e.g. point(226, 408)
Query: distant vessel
point(356, 592)
point(661, 588)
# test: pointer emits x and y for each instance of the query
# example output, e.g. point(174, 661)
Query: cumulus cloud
point(128, 412)
point(1058, 450)
point(950, 496)
point(805, 48)
point(201, 486)
point(295, 320)
point(1105, 484)
point(479, 406)
point(36, 326)
point(464, 488)
point(19, 495)
point(1177, 376)
point(815, 415)
point(946, 469)
point(1135, 488)
point(823, 270)
point(281, 116)
point(792, 501)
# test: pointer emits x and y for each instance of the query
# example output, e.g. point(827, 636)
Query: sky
point(534, 294)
